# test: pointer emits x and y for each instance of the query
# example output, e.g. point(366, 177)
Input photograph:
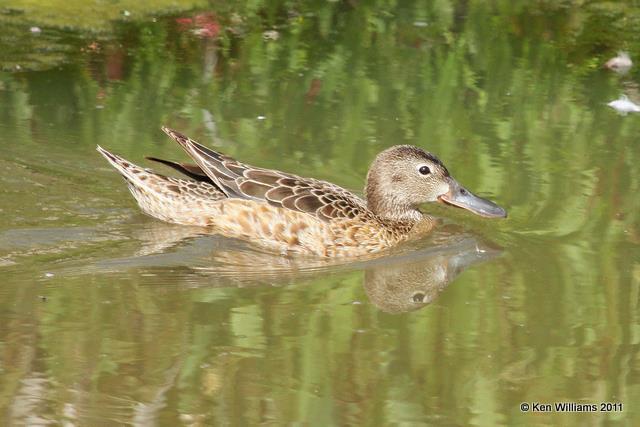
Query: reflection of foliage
point(507, 93)
point(63, 26)
point(81, 15)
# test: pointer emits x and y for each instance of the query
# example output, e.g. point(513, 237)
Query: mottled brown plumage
point(287, 212)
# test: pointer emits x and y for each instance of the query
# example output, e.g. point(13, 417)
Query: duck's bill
point(461, 197)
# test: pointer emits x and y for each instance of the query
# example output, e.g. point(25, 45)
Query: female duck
point(286, 212)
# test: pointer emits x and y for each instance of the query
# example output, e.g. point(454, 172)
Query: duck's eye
point(424, 170)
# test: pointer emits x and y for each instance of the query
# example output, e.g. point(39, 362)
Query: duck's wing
point(321, 199)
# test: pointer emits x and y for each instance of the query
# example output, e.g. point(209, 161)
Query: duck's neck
point(392, 213)
point(391, 209)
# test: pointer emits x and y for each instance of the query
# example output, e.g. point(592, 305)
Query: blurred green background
point(108, 317)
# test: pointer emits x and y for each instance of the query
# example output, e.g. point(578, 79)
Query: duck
point(291, 214)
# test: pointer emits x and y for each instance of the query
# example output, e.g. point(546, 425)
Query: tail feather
point(131, 172)
point(170, 199)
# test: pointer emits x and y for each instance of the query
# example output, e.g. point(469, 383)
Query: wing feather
point(264, 176)
point(192, 171)
point(277, 194)
point(308, 203)
point(320, 199)
point(254, 189)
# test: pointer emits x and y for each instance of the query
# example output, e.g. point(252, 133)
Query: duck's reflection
point(409, 284)
point(406, 279)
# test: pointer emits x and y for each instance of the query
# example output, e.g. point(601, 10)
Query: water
point(109, 317)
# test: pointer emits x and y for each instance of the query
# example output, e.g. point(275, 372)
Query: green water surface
point(110, 317)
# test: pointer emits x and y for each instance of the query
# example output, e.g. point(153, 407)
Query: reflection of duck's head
point(411, 284)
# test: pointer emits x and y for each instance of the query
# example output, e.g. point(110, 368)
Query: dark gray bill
point(463, 198)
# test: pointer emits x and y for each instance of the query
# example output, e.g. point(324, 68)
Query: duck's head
point(403, 177)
